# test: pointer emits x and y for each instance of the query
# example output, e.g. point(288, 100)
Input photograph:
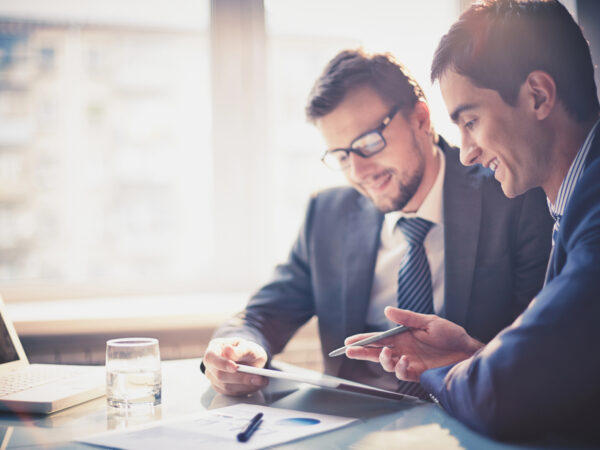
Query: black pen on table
point(249, 429)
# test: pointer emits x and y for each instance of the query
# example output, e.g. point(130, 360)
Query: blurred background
point(155, 162)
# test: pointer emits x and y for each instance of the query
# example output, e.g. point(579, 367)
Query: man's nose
point(469, 151)
point(358, 166)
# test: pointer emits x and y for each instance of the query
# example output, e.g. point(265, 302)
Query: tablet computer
point(327, 382)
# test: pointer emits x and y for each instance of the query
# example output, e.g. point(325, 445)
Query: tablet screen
point(328, 382)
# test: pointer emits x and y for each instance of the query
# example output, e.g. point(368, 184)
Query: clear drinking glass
point(133, 375)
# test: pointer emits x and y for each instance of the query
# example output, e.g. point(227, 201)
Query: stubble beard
point(405, 192)
point(407, 184)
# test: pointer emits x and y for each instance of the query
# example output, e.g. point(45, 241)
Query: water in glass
point(133, 373)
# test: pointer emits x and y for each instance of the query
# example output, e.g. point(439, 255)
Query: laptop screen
point(8, 352)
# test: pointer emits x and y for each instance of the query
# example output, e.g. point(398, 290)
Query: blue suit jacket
point(496, 252)
point(541, 375)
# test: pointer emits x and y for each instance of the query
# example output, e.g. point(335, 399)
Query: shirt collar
point(575, 171)
point(432, 208)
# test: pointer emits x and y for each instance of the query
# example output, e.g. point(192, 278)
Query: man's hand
point(431, 342)
point(220, 361)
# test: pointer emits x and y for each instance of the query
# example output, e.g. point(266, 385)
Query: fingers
point(405, 370)
point(388, 360)
point(221, 365)
point(357, 337)
point(364, 353)
point(224, 352)
point(407, 318)
point(245, 352)
point(236, 383)
point(399, 365)
point(401, 369)
point(229, 381)
point(215, 361)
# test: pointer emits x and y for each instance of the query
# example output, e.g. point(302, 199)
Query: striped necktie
point(414, 277)
point(550, 272)
point(415, 291)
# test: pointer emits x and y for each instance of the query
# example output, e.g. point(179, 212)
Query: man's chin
point(385, 202)
point(386, 205)
point(511, 191)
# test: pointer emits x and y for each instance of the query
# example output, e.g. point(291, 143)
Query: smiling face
point(507, 139)
point(394, 178)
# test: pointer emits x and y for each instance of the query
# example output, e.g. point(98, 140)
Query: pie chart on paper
point(298, 421)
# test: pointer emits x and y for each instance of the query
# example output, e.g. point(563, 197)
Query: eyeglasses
point(365, 146)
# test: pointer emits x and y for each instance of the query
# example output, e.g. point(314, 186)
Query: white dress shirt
point(393, 246)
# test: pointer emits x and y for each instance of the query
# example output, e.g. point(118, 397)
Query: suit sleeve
point(284, 304)
point(533, 242)
point(541, 374)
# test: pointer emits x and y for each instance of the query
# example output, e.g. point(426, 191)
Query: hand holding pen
point(369, 340)
point(432, 342)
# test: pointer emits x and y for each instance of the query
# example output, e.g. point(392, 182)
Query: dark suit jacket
point(496, 252)
point(541, 375)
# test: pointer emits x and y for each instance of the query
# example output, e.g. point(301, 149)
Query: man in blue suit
point(517, 78)
point(486, 254)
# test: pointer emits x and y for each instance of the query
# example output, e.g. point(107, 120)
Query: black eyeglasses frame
point(358, 151)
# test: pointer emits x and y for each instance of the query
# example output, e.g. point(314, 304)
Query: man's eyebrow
point(460, 109)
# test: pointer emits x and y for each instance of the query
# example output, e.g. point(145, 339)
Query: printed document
point(219, 427)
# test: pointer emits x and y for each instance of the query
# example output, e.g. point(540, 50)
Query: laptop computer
point(41, 388)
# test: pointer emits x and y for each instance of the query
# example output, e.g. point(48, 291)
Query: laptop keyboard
point(32, 376)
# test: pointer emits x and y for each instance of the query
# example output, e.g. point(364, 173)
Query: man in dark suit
point(486, 254)
point(517, 78)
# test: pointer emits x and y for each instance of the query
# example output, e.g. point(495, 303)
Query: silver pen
point(370, 340)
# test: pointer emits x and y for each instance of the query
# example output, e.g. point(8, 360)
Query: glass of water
point(133, 376)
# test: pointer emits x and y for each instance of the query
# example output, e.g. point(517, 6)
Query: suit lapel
point(462, 219)
point(362, 233)
point(556, 260)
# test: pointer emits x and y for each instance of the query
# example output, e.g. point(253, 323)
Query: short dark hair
point(350, 69)
point(498, 43)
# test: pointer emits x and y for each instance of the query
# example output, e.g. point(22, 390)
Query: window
point(104, 145)
point(162, 145)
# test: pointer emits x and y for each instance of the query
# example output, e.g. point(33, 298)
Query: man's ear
point(420, 116)
point(540, 90)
